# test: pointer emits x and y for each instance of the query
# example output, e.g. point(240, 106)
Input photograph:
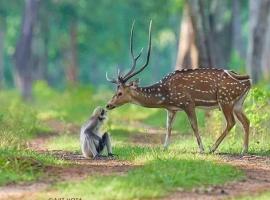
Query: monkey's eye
point(120, 94)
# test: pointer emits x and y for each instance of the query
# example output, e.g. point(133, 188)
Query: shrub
point(18, 122)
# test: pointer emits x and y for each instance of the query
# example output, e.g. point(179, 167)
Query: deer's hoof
point(201, 151)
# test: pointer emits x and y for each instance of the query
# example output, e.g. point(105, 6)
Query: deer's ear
point(134, 83)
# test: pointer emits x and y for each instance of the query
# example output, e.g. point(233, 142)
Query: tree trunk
point(221, 32)
point(266, 57)
point(23, 53)
point(206, 34)
point(187, 56)
point(259, 14)
point(72, 65)
point(237, 40)
point(40, 46)
point(201, 26)
point(2, 36)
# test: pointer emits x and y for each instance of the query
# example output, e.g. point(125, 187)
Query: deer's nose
point(109, 106)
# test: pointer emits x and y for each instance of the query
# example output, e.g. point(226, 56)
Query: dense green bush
point(256, 106)
point(73, 104)
point(18, 121)
point(258, 109)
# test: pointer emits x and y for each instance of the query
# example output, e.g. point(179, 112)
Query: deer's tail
point(239, 76)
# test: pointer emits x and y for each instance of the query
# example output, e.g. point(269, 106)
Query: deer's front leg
point(170, 119)
point(190, 111)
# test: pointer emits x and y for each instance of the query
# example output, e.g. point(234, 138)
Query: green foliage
point(18, 121)
point(68, 142)
point(258, 109)
point(237, 63)
point(257, 196)
point(73, 104)
point(100, 44)
point(181, 123)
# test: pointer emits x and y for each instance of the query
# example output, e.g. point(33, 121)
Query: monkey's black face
point(102, 115)
point(102, 112)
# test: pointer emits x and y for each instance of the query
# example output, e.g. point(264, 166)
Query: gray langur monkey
point(92, 141)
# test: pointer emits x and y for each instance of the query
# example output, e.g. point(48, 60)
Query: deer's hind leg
point(238, 111)
point(227, 110)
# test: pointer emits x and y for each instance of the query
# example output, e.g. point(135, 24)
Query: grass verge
point(23, 166)
point(260, 196)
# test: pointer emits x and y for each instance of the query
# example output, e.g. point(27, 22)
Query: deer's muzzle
point(110, 106)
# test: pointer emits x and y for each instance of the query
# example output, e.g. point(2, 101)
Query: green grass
point(23, 166)
point(67, 142)
point(18, 123)
point(160, 173)
point(181, 123)
point(260, 196)
point(232, 144)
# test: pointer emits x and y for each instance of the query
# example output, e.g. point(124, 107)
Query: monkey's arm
point(89, 130)
point(93, 135)
point(92, 124)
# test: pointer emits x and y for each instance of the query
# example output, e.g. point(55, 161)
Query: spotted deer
point(186, 90)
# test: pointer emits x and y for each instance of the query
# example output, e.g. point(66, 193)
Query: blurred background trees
point(67, 42)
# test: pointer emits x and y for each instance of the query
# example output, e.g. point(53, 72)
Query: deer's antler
point(131, 73)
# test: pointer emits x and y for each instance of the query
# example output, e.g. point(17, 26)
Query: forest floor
point(256, 169)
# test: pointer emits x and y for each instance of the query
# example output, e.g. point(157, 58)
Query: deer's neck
point(151, 96)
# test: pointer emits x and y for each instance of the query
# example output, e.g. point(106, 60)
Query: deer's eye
point(120, 94)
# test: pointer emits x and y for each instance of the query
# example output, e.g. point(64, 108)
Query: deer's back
point(206, 87)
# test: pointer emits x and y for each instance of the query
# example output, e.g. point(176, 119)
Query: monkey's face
point(102, 114)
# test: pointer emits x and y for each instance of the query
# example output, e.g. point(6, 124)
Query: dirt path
point(256, 168)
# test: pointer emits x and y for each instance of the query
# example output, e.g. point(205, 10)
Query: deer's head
point(124, 86)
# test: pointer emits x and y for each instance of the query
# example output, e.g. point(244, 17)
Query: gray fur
point(91, 137)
